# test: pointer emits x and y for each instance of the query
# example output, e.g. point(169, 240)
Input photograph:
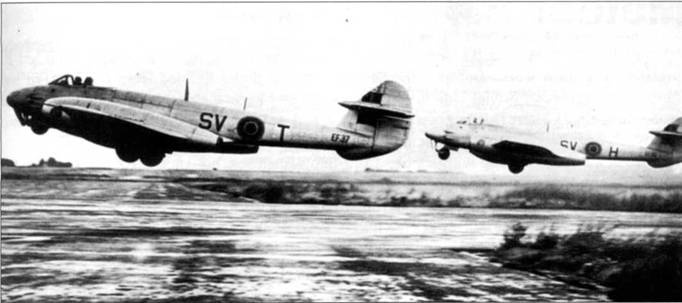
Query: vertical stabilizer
point(669, 142)
point(384, 114)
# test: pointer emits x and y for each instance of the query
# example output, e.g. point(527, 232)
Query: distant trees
point(558, 197)
point(51, 162)
point(7, 163)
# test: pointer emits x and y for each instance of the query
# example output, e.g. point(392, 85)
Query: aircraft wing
point(535, 148)
point(138, 118)
point(522, 148)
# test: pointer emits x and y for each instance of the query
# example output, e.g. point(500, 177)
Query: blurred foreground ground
point(141, 238)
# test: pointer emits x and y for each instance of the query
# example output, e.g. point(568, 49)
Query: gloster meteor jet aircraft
point(517, 148)
point(147, 127)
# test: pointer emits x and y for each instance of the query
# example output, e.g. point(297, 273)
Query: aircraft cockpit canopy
point(69, 80)
point(471, 120)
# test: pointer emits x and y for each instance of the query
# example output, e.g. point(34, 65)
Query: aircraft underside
point(516, 162)
point(130, 142)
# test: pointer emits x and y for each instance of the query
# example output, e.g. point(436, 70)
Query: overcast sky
point(611, 70)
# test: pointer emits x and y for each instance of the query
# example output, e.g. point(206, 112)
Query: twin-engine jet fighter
point(517, 148)
point(147, 127)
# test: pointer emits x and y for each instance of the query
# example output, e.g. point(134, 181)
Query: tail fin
point(383, 114)
point(668, 141)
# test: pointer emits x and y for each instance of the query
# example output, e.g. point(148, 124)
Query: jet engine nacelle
point(55, 113)
point(482, 144)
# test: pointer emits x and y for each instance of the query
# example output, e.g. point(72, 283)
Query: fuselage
point(563, 149)
point(133, 123)
point(220, 120)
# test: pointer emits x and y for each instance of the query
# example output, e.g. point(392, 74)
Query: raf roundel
point(250, 128)
point(593, 149)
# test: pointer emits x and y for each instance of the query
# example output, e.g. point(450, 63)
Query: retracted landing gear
point(148, 158)
point(152, 159)
point(516, 168)
point(128, 154)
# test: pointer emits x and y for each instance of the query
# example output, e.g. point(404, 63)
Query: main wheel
point(39, 129)
point(516, 168)
point(152, 159)
point(127, 154)
point(444, 153)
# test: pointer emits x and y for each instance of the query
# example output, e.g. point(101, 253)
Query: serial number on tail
point(340, 138)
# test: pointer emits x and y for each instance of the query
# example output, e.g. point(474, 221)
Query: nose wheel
point(39, 129)
point(443, 153)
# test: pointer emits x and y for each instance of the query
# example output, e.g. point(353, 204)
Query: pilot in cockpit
point(68, 80)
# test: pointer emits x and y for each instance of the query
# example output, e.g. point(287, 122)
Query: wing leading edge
point(146, 120)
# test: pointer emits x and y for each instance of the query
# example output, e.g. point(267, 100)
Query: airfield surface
point(120, 241)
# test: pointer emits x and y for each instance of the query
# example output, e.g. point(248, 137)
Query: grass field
point(635, 269)
point(381, 189)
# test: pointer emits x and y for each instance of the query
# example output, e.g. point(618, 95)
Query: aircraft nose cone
point(18, 98)
point(433, 135)
point(13, 99)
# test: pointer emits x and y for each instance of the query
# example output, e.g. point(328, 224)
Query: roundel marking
point(593, 149)
point(480, 142)
point(250, 128)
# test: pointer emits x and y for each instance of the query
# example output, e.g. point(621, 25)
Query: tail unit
point(382, 114)
point(667, 142)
